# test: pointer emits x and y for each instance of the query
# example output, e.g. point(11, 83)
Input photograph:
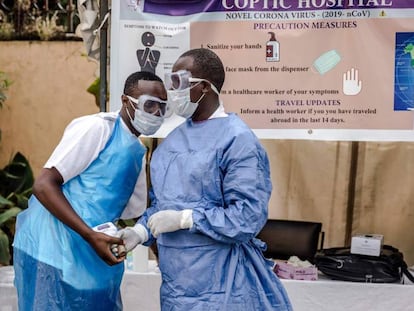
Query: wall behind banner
point(310, 178)
point(49, 82)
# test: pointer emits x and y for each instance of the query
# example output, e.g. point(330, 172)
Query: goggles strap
point(213, 87)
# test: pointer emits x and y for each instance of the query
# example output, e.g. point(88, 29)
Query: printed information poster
point(295, 69)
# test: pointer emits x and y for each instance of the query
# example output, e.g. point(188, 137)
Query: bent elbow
point(48, 179)
point(39, 187)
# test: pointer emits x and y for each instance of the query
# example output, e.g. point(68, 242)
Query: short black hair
point(207, 66)
point(132, 81)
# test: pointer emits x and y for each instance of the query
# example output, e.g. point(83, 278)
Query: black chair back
point(285, 238)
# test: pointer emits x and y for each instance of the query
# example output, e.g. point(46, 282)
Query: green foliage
point(16, 181)
point(122, 223)
point(46, 27)
point(94, 90)
point(6, 28)
point(4, 86)
point(34, 20)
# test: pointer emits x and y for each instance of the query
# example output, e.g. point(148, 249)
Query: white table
point(8, 296)
point(140, 291)
point(328, 295)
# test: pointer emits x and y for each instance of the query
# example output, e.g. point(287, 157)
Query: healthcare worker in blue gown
point(95, 175)
point(210, 192)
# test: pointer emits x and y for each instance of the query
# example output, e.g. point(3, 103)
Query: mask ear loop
point(201, 97)
point(212, 86)
point(125, 104)
point(127, 111)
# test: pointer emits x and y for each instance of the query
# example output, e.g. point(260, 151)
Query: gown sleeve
point(246, 189)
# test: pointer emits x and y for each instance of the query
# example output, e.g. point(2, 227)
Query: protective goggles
point(151, 104)
point(181, 80)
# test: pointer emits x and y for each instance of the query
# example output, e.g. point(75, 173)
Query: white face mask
point(144, 122)
point(181, 101)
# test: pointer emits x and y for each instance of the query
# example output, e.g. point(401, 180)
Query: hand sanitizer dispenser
point(272, 49)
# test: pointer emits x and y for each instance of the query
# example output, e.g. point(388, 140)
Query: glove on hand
point(132, 236)
point(169, 221)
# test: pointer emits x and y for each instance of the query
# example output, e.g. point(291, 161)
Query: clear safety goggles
point(151, 104)
point(181, 80)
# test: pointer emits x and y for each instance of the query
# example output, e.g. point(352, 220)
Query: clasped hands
point(160, 222)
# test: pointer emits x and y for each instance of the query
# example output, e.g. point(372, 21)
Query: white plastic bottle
point(272, 49)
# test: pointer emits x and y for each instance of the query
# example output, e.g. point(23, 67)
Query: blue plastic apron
point(55, 268)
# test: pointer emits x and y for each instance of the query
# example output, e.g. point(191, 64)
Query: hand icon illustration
point(351, 84)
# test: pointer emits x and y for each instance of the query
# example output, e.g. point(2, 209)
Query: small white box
point(367, 244)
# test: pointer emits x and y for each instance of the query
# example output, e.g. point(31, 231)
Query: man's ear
point(124, 99)
point(206, 87)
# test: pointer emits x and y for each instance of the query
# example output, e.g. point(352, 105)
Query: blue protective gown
point(218, 169)
point(55, 269)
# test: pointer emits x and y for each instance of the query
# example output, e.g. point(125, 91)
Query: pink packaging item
point(286, 270)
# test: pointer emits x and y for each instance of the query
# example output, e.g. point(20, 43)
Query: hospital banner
point(295, 69)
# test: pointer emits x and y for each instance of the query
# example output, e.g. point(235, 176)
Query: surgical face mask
point(178, 85)
point(144, 122)
point(182, 103)
point(326, 61)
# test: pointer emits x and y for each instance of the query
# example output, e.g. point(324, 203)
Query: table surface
point(140, 291)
